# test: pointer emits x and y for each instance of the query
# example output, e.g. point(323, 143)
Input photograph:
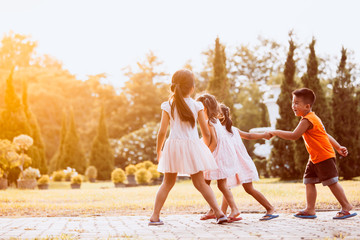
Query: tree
point(102, 156)
point(219, 83)
point(55, 161)
point(13, 120)
point(346, 127)
point(282, 162)
point(37, 150)
point(321, 108)
point(73, 155)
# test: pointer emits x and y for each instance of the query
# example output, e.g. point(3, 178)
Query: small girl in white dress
point(224, 153)
point(184, 152)
point(246, 171)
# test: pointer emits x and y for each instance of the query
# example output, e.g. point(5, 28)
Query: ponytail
point(211, 105)
point(182, 108)
point(226, 120)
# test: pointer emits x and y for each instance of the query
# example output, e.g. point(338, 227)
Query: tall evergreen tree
point(102, 156)
point(219, 82)
point(55, 161)
point(73, 154)
point(282, 161)
point(37, 150)
point(321, 108)
point(13, 121)
point(344, 99)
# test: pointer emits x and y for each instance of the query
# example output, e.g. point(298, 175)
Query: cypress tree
point(55, 161)
point(321, 108)
point(37, 150)
point(219, 82)
point(282, 162)
point(13, 121)
point(344, 99)
point(102, 156)
point(73, 154)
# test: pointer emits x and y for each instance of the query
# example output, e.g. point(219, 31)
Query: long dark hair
point(225, 118)
point(181, 84)
point(211, 105)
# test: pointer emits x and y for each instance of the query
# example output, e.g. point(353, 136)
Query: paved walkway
point(180, 227)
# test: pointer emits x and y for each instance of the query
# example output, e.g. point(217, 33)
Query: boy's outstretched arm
point(340, 149)
point(294, 135)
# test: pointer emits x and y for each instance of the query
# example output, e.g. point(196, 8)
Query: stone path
point(181, 227)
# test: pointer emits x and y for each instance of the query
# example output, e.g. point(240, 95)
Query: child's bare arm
point(294, 135)
point(213, 142)
point(252, 136)
point(165, 119)
point(204, 128)
point(340, 149)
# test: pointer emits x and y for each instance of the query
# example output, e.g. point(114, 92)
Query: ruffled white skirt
point(186, 156)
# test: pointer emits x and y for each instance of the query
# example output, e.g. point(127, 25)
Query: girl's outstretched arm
point(204, 128)
point(165, 119)
point(253, 136)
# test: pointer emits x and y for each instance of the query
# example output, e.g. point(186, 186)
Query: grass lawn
point(102, 199)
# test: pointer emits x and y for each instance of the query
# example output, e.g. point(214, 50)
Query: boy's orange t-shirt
point(317, 141)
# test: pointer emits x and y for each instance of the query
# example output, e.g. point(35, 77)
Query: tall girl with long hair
point(183, 151)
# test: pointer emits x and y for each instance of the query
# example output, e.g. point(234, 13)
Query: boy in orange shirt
point(321, 166)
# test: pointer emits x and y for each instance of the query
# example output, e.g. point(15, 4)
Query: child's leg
point(210, 212)
point(224, 205)
point(161, 195)
point(249, 188)
point(310, 198)
point(206, 191)
point(229, 197)
point(339, 193)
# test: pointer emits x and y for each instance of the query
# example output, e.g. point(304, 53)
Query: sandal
point(206, 217)
point(303, 214)
point(344, 214)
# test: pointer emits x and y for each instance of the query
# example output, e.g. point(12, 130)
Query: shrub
point(148, 164)
point(58, 176)
point(118, 175)
point(142, 176)
point(44, 179)
point(130, 169)
point(140, 166)
point(91, 172)
point(69, 173)
point(77, 179)
point(154, 172)
point(30, 173)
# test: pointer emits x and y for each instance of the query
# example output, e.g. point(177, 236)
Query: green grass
point(103, 199)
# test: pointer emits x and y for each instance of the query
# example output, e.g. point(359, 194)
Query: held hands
point(268, 135)
point(342, 151)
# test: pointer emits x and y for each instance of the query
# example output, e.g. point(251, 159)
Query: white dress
point(184, 152)
point(224, 154)
point(245, 168)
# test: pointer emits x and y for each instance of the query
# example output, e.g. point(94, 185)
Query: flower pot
point(43, 186)
point(92, 180)
point(119, 185)
point(26, 183)
point(131, 180)
point(75, 185)
point(3, 183)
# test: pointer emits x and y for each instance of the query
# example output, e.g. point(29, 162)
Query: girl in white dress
point(246, 171)
point(183, 151)
point(223, 151)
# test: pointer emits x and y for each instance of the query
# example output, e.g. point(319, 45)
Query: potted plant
point(91, 173)
point(58, 176)
point(76, 181)
point(10, 159)
point(69, 173)
point(130, 171)
point(148, 164)
point(43, 182)
point(143, 176)
point(118, 177)
point(28, 178)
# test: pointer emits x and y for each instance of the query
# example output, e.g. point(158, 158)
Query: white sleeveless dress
point(224, 154)
point(246, 171)
point(184, 152)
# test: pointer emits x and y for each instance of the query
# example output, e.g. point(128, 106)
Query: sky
point(105, 36)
